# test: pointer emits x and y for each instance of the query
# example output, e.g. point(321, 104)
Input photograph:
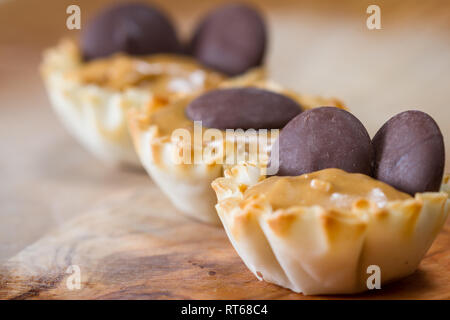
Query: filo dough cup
point(188, 186)
point(312, 250)
point(92, 99)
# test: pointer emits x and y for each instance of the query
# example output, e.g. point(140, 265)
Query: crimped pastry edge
point(316, 251)
point(94, 115)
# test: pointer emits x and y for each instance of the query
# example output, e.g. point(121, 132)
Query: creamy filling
point(329, 188)
point(172, 117)
point(163, 74)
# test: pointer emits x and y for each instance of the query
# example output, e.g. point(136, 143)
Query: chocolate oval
point(409, 153)
point(231, 39)
point(320, 138)
point(136, 29)
point(243, 108)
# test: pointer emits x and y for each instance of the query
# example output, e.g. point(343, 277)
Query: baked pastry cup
point(93, 98)
point(310, 243)
point(188, 185)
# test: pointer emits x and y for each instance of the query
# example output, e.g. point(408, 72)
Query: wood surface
point(61, 206)
point(135, 246)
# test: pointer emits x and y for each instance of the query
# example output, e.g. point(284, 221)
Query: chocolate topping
point(409, 153)
point(325, 137)
point(136, 29)
point(231, 39)
point(243, 108)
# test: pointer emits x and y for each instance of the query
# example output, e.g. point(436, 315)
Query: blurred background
point(316, 47)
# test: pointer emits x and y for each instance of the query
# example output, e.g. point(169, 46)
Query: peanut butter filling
point(328, 188)
point(162, 74)
point(172, 117)
point(218, 147)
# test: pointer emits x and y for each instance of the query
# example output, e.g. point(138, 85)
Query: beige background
point(319, 47)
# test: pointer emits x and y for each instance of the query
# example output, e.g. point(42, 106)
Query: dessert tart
point(188, 183)
point(323, 220)
point(92, 98)
point(129, 57)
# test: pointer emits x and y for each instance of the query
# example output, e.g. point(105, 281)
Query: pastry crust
point(188, 186)
point(314, 250)
point(93, 100)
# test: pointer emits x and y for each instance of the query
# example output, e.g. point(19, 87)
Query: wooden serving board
point(136, 246)
point(61, 207)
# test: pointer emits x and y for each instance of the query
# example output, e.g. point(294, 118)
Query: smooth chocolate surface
point(231, 39)
point(409, 153)
point(243, 108)
point(321, 138)
point(136, 29)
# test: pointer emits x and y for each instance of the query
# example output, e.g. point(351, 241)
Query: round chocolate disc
point(409, 153)
point(136, 29)
point(231, 39)
point(243, 108)
point(321, 138)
